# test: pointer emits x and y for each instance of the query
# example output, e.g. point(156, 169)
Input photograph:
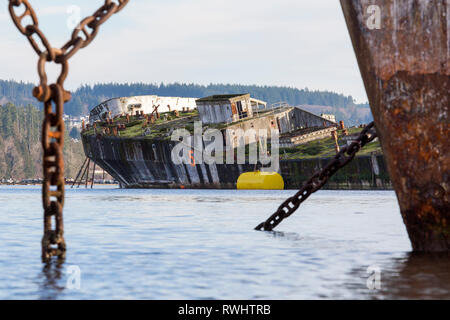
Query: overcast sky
point(296, 43)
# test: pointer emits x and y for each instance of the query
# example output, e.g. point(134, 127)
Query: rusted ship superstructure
point(403, 51)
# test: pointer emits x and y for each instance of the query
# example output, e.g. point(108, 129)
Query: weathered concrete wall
point(267, 123)
point(223, 111)
point(304, 119)
point(363, 173)
point(284, 120)
point(291, 119)
point(146, 163)
point(139, 163)
point(219, 112)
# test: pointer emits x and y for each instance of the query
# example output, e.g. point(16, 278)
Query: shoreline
point(327, 188)
point(67, 184)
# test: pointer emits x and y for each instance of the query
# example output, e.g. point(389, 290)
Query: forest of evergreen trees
point(87, 97)
point(22, 126)
point(20, 144)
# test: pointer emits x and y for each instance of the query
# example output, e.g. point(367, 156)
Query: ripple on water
point(200, 244)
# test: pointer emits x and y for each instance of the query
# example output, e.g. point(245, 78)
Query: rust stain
point(406, 71)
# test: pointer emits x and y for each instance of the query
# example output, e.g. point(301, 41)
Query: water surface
point(200, 244)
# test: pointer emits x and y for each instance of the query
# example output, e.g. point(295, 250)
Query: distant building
point(147, 104)
point(74, 121)
point(329, 117)
point(228, 108)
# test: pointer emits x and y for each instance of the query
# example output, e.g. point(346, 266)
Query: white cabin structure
point(131, 105)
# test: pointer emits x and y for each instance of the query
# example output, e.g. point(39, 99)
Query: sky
point(295, 43)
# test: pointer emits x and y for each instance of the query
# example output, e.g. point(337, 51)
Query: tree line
point(19, 134)
point(86, 97)
point(20, 143)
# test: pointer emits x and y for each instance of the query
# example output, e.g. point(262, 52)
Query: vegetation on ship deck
point(161, 129)
point(321, 148)
point(325, 148)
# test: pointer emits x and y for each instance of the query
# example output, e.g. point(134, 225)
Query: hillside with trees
point(87, 97)
point(20, 144)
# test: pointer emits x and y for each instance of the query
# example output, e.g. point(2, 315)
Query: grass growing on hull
point(161, 129)
point(325, 148)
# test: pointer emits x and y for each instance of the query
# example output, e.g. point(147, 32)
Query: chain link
point(317, 181)
point(54, 96)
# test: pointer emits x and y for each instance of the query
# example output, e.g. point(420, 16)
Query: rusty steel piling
point(54, 96)
point(402, 48)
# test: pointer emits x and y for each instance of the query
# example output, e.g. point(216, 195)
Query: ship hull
point(404, 62)
point(145, 163)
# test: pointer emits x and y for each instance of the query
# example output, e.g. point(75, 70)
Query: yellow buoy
point(260, 181)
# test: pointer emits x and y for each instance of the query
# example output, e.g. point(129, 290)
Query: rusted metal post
point(87, 175)
point(93, 176)
point(334, 135)
point(84, 173)
point(402, 50)
point(79, 172)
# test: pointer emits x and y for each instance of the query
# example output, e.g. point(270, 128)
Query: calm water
point(200, 244)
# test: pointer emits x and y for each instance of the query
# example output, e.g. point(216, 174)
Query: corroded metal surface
point(403, 54)
point(54, 96)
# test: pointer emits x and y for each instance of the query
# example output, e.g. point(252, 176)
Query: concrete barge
point(135, 147)
point(143, 163)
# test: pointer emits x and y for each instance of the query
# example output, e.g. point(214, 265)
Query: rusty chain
point(53, 243)
point(316, 183)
